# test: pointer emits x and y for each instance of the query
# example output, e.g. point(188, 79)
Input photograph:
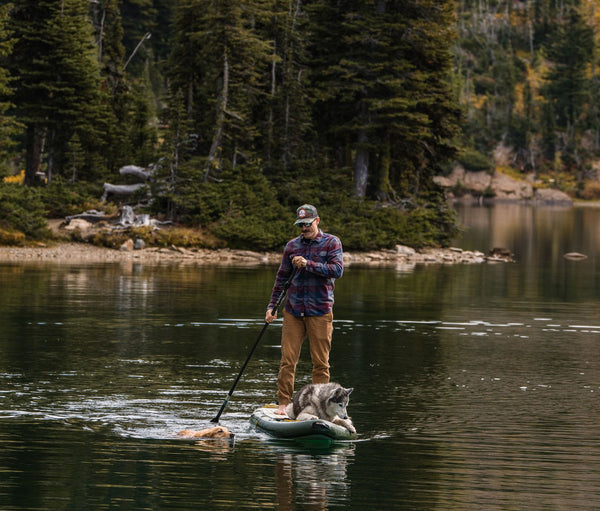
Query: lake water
point(476, 387)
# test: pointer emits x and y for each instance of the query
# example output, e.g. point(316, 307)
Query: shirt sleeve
point(333, 267)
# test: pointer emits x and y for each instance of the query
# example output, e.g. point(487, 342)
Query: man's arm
point(334, 266)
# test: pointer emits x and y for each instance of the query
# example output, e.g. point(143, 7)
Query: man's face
point(310, 229)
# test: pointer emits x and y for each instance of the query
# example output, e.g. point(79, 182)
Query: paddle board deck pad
point(317, 431)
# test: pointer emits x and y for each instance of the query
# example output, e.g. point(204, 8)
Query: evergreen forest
point(241, 110)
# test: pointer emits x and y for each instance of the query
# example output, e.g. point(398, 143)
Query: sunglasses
point(305, 224)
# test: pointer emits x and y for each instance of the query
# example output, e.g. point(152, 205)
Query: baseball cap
point(306, 213)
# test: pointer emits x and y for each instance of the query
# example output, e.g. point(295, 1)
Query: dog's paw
point(345, 423)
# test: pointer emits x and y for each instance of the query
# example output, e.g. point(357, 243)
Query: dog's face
point(216, 432)
point(338, 401)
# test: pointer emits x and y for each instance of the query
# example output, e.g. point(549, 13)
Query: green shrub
point(63, 199)
point(110, 239)
point(22, 210)
point(473, 160)
point(11, 237)
point(187, 238)
point(591, 191)
point(243, 210)
point(368, 226)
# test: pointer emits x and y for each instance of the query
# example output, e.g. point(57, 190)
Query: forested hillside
point(527, 76)
point(246, 109)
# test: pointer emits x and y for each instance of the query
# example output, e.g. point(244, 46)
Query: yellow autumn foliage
point(17, 179)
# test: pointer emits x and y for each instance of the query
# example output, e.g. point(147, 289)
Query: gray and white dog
point(326, 401)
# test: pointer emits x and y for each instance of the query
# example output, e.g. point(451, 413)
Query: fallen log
point(121, 189)
point(92, 216)
point(134, 170)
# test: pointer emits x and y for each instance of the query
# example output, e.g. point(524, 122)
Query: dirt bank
point(66, 253)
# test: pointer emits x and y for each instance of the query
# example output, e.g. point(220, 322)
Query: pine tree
point(57, 92)
point(115, 86)
point(176, 148)
point(139, 18)
point(287, 111)
point(568, 84)
point(8, 124)
point(223, 73)
point(381, 78)
point(143, 124)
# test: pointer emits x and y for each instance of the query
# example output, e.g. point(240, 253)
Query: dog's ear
point(336, 394)
point(349, 391)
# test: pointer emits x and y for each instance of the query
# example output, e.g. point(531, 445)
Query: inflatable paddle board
point(317, 432)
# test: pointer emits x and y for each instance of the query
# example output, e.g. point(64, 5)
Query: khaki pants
point(319, 330)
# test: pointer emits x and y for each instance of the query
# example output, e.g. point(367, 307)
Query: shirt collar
point(316, 238)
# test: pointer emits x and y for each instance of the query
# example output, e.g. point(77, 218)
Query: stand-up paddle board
point(317, 431)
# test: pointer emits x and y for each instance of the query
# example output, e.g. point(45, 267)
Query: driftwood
point(120, 189)
point(92, 216)
point(129, 219)
point(139, 172)
point(128, 170)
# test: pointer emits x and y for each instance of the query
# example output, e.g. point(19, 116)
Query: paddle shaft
point(273, 312)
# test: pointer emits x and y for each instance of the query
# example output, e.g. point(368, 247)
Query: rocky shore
point(470, 186)
point(65, 253)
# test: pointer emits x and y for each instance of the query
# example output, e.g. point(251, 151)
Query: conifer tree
point(175, 150)
point(382, 82)
point(287, 123)
point(8, 124)
point(226, 82)
point(568, 86)
point(115, 87)
point(143, 125)
point(139, 18)
point(57, 92)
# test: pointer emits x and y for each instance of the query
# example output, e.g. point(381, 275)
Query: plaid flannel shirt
point(311, 291)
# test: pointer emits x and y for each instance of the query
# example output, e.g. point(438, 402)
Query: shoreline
point(73, 253)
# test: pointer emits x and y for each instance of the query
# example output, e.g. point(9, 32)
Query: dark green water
point(476, 387)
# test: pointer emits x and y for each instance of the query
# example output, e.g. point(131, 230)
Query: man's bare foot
point(281, 410)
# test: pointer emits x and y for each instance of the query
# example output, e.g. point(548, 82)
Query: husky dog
point(326, 401)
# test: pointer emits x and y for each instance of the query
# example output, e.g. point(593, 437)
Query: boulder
point(505, 187)
point(403, 250)
point(550, 195)
point(127, 246)
point(575, 256)
point(78, 223)
point(498, 186)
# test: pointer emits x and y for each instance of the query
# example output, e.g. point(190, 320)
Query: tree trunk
point(361, 166)
point(34, 145)
point(271, 103)
point(216, 143)
point(384, 190)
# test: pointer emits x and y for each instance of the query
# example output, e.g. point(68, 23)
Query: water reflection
point(312, 481)
point(476, 386)
point(537, 235)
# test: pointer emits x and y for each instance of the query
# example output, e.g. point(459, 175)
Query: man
point(308, 311)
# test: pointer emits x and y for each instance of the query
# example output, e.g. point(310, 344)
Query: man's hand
point(299, 262)
point(269, 317)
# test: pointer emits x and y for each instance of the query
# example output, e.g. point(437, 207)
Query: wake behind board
point(318, 432)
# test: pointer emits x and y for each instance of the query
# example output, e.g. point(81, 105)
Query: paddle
point(273, 312)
